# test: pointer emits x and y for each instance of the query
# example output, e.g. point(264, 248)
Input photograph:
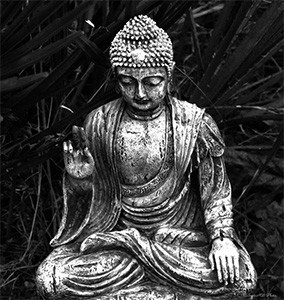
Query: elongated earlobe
point(170, 86)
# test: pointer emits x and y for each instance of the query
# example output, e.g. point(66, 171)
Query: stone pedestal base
point(150, 292)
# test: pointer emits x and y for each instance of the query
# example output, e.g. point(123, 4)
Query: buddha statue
point(147, 201)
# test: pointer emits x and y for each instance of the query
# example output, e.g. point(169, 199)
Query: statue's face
point(143, 88)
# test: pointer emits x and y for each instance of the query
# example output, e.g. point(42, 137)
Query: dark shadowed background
point(55, 69)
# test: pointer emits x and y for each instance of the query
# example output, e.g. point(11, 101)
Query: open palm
point(78, 160)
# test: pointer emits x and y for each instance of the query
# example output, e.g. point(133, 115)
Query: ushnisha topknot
point(142, 44)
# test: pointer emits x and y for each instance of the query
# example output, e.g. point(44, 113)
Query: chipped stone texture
point(140, 149)
point(142, 44)
point(159, 234)
point(147, 201)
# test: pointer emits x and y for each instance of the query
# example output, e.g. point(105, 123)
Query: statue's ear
point(171, 69)
point(170, 87)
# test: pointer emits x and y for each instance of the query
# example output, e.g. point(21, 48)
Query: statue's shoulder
point(186, 113)
point(102, 112)
point(209, 137)
point(185, 106)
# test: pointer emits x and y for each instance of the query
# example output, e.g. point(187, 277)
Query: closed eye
point(153, 80)
point(126, 79)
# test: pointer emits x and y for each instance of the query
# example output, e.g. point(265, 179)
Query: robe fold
point(167, 224)
point(99, 209)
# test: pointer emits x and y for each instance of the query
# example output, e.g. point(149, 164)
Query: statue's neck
point(145, 115)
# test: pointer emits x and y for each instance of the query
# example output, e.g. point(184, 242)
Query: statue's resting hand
point(78, 160)
point(224, 258)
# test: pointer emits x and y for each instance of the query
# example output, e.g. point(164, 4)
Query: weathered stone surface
point(152, 292)
point(146, 195)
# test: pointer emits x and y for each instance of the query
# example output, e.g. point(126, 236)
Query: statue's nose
point(140, 91)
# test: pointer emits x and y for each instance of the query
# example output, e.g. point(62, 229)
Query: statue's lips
point(142, 101)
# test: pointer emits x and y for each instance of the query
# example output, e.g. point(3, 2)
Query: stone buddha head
point(141, 56)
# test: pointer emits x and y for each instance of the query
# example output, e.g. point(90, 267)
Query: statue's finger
point(76, 154)
point(211, 260)
point(237, 267)
point(67, 159)
point(65, 147)
point(224, 269)
point(65, 156)
point(83, 138)
point(218, 268)
point(76, 136)
point(88, 154)
point(231, 269)
point(70, 147)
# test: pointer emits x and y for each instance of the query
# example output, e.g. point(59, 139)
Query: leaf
point(278, 142)
point(243, 50)
point(176, 11)
point(261, 214)
point(9, 11)
point(265, 84)
point(40, 15)
point(272, 240)
point(231, 91)
point(275, 210)
point(260, 249)
point(94, 102)
point(219, 31)
point(272, 36)
point(20, 19)
point(281, 284)
point(25, 100)
point(15, 83)
point(94, 53)
point(28, 97)
point(196, 42)
point(37, 55)
point(205, 84)
point(49, 31)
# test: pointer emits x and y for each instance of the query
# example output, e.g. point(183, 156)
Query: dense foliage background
point(55, 69)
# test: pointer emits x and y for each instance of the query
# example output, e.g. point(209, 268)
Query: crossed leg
point(66, 271)
point(109, 262)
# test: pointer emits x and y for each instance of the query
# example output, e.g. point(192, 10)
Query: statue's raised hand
point(224, 258)
point(78, 160)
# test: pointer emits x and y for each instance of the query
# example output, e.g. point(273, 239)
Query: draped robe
point(159, 232)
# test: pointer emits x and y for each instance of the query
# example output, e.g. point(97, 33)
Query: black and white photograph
point(141, 149)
